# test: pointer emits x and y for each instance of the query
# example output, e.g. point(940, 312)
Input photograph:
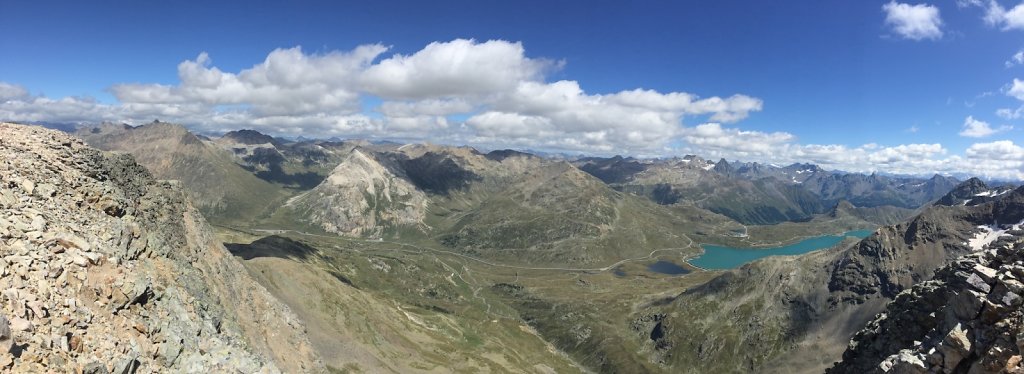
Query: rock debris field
point(105, 270)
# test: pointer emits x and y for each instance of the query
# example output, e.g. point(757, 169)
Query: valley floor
point(380, 306)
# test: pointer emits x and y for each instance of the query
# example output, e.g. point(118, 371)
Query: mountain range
point(357, 256)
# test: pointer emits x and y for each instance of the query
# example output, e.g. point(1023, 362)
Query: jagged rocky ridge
point(105, 269)
point(972, 192)
point(967, 319)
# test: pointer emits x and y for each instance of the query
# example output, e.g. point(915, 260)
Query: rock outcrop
point(967, 319)
point(104, 269)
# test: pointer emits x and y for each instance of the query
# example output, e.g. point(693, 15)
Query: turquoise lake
point(719, 257)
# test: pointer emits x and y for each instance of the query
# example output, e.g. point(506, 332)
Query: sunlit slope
point(505, 206)
point(370, 311)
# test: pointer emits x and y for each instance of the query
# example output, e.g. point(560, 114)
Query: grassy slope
point(374, 307)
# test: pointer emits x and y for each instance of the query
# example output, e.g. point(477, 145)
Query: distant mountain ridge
point(750, 193)
point(754, 193)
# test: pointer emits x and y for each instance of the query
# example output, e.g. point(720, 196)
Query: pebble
point(6, 336)
point(20, 324)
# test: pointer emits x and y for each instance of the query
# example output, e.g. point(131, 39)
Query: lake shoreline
point(718, 257)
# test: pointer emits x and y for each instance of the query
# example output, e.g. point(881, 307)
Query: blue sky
point(825, 73)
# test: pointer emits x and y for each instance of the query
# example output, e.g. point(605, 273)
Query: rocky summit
point(107, 270)
point(967, 319)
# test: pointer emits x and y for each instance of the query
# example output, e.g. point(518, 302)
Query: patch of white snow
point(990, 234)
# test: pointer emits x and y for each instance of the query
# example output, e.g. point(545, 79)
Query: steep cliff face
point(106, 269)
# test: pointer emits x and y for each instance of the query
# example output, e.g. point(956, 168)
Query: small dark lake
point(665, 267)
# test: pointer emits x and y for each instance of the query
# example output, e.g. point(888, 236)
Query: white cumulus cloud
point(457, 68)
point(1016, 59)
point(998, 16)
point(735, 142)
point(460, 91)
point(1015, 89)
point(974, 128)
point(916, 22)
point(287, 82)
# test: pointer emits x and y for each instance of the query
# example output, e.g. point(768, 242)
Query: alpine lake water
point(717, 257)
point(666, 267)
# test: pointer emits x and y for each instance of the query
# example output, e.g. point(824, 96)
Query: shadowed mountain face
point(611, 170)
point(268, 164)
point(502, 154)
point(272, 246)
point(875, 190)
point(783, 306)
point(434, 173)
point(249, 137)
point(714, 187)
point(298, 165)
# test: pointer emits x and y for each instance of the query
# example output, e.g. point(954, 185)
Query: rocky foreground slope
point(967, 319)
point(105, 269)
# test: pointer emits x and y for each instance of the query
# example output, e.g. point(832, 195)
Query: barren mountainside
point(361, 197)
point(107, 270)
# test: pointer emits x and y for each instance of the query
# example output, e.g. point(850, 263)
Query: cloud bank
point(489, 94)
